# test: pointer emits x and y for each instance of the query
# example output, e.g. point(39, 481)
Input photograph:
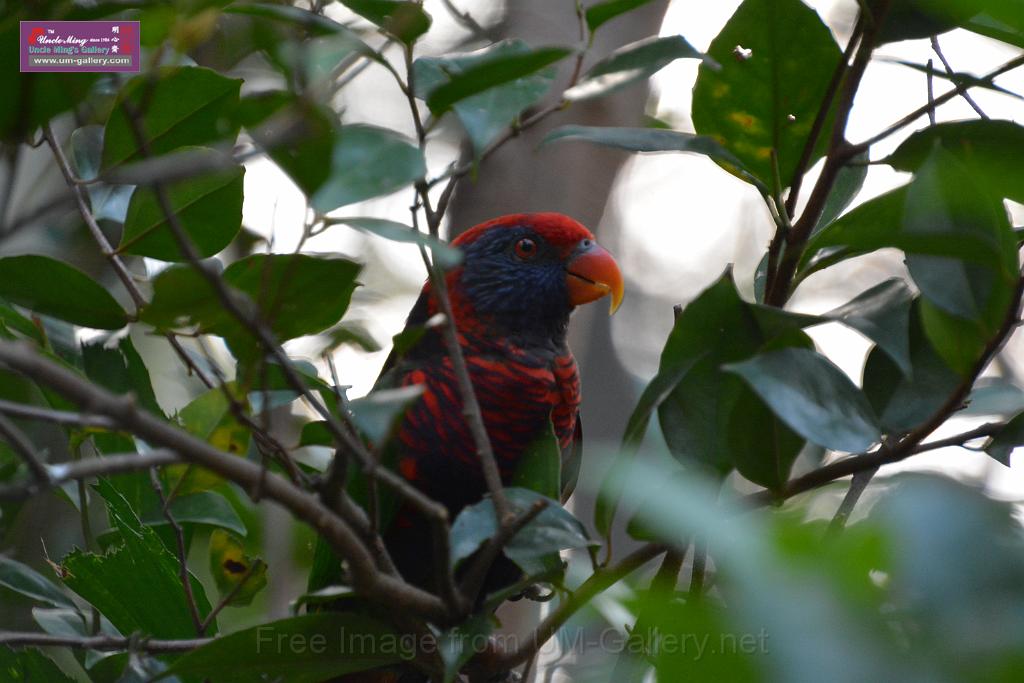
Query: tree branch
point(25, 450)
point(182, 552)
point(87, 469)
point(951, 73)
point(103, 643)
point(61, 417)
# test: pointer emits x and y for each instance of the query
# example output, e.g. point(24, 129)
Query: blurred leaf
point(52, 287)
point(379, 413)
point(655, 140)
point(206, 507)
point(406, 21)
point(29, 665)
point(306, 649)
point(136, 585)
point(504, 67)
point(208, 209)
point(848, 183)
point(458, 645)
point(994, 396)
point(1002, 21)
point(552, 530)
point(107, 202)
point(630, 64)
point(767, 101)
point(601, 12)
point(986, 148)
point(444, 254)
point(1001, 445)
point(317, 24)
point(355, 335)
point(882, 314)
point(540, 467)
point(209, 418)
point(911, 19)
point(69, 622)
point(485, 114)
point(957, 78)
point(183, 106)
point(121, 370)
point(367, 162)
point(18, 323)
point(236, 574)
point(22, 579)
point(297, 134)
point(813, 397)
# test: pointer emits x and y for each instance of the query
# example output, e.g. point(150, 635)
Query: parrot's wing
point(572, 458)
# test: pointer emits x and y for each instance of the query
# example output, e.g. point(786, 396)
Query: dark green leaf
point(183, 106)
point(552, 530)
point(902, 401)
point(602, 12)
point(379, 413)
point(491, 72)
point(987, 148)
point(135, 585)
point(1001, 445)
point(457, 645)
point(848, 182)
point(54, 288)
point(22, 579)
point(367, 162)
point(444, 254)
point(485, 114)
point(30, 666)
point(882, 314)
point(306, 649)
point(655, 140)
point(540, 468)
point(16, 322)
point(767, 101)
point(316, 24)
point(406, 21)
point(206, 507)
point(630, 64)
point(107, 202)
point(912, 19)
point(208, 210)
point(813, 397)
point(121, 370)
point(1002, 21)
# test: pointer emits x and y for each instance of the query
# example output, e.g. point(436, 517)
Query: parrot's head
point(523, 274)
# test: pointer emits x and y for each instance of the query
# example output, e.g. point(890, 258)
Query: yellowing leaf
point(208, 417)
point(239, 577)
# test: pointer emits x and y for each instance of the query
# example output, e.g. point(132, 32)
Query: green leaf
point(444, 254)
point(540, 467)
point(964, 80)
point(296, 294)
point(630, 64)
point(121, 370)
point(136, 585)
point(1001, 445)
point(602, 12)
point(492, 72)
point(208, 209)
point(485, 114)
point(552, 530)
point(305, 649)
point(107, 202)
point(298, 135)
point(849, 181)
point(183, 106)
point(206, 507)
point(16, 322)
point(769, 100)
point(22, 579)
point(29, 666)
point(209, 418)
point(379, 413)
point(913, 19)
point(655, 140)
point(813, 397)
point(316, 24)
point(882, 314)
point(51, 287)
point(405, 21)
point(367, 162)
point(986, 148)
point(458, 645)
point(239, 577)
point(902, 400)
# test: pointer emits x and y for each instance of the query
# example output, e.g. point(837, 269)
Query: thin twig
point(88, 469)
point(951, 73)
point(17, 440)
point(697, 571)
point(102, 643)
point(858, 485)
point(182, 550)
point(229, 596)
point(930, 80)
point(61, 417)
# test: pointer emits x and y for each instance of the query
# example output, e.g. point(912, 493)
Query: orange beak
point(591, 274)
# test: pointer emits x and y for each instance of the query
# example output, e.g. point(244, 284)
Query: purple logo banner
point(80, 46)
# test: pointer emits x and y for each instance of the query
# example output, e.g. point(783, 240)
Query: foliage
point(929, 586)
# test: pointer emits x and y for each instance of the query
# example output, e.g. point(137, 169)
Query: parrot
point(520, 278)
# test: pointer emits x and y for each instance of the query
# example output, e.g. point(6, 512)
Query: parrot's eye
point(526, 248)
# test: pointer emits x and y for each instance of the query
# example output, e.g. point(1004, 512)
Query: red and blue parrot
point(521, 277)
